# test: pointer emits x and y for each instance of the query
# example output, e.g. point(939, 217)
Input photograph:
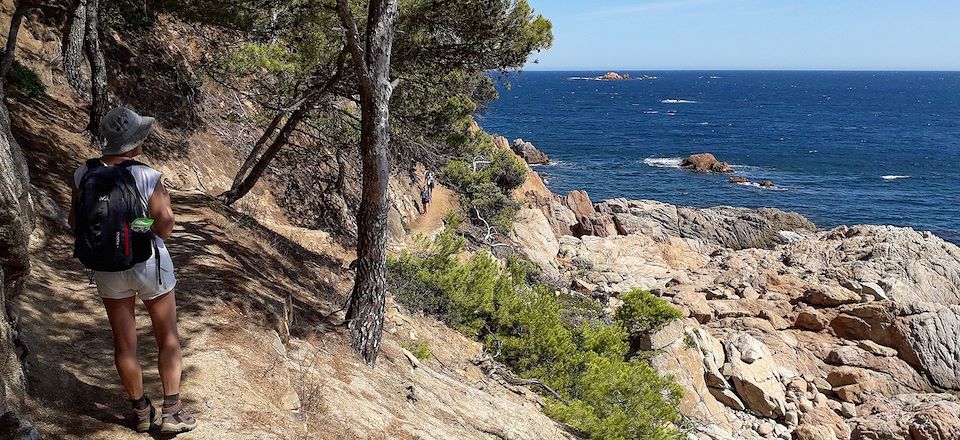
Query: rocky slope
point(790, 332)
point(264, 354)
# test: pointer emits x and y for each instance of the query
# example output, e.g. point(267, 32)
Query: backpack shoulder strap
point(91, 165)
point(136, 189)
point(131, 163)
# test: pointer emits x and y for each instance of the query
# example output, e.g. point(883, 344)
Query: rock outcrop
point(818, 328)
point(16, 222)
point(735, 228)
point(529, 153)
point(910, 416)
point(706, 162)
point(535, 239)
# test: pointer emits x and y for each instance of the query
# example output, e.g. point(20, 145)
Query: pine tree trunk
point(256, 163)
point(238, 190)
point(255, 151)
point(98, 69)
point(73, 50)
point(372, 66)
point(10, 53)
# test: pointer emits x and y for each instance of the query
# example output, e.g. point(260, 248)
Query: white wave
point(703, 123)
point(714, 77)
point(894, 177)
point(663, 162)
point(678, 101)
point(583, 78)
point(757, 185)
point(650, 112)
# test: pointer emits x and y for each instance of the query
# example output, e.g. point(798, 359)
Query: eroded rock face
point(885, 262)
point(924, 335)
point(909, 416)
point(535, 238)
point(752, 370)
point(16, 222)
point(734, 228)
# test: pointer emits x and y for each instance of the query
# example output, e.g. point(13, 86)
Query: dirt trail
point(431, 223)
point(240, 378)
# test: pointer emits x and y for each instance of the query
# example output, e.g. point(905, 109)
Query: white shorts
point(140, 280)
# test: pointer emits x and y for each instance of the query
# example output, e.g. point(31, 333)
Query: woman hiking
point(120, 216)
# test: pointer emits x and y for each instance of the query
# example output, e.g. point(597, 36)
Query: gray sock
point(169, 401)
point(141, 403)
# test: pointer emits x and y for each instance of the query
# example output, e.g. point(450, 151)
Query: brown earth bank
point(791, 331)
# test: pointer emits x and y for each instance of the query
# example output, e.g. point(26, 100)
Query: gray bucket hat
point(123, 130)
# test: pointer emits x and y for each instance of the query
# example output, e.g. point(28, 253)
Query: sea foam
point(894, 177)
point(678, 101)
point(663, 162)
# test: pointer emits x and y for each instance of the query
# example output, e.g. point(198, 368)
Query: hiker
point(431, 181)
point(425, 198)
point(120, 216)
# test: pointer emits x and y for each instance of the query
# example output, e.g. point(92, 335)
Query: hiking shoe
point(177, 420)
point(147, 418)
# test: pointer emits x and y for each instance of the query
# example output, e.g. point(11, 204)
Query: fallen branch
point(491, 367)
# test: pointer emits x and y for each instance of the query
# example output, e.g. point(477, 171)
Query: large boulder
point(579, 202)
point(688, 364)
point(751, 368)
point(535, 239)
point(530, 153)
point(636, 261)
point(704, 162)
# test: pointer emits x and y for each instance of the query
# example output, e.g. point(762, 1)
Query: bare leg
point(163, 314)
point(123, 321)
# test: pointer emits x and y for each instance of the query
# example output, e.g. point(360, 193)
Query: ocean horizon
point(842, 147)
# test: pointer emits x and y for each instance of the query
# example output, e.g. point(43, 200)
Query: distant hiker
point(120, 216)
point(425, 198)
point(431, 181)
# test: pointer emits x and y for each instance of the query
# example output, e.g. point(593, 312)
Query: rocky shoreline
point(790, 332)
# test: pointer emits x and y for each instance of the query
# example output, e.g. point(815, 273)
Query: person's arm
point(161, 212)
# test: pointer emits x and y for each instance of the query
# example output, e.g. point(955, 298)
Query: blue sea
point(842, 147)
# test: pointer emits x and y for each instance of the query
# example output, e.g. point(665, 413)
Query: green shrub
point(418, 349)
point(643, 312)
point(621, 400)
point(487, 189)
point(558, 340)
point(25, 80)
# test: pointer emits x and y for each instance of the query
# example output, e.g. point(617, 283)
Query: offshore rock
point(706, 162)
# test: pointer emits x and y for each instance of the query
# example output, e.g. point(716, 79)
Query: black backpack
point(108, 201)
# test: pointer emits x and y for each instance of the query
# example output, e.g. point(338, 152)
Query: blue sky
point(751, 34)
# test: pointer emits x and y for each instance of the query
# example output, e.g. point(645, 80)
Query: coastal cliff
point(790, 331)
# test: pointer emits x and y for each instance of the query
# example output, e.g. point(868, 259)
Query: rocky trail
point(244, 376)
point(431, 223)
